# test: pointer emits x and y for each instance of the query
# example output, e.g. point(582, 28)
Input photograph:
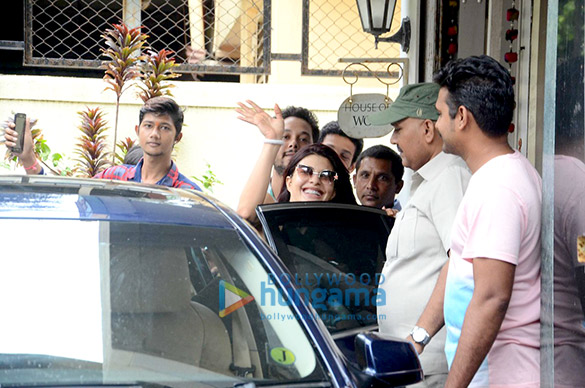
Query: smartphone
point(19, 125)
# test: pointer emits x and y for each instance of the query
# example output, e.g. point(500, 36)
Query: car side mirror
point(387, 359)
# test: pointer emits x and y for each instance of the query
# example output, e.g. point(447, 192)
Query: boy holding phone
point(20, 142)
point(159, 129)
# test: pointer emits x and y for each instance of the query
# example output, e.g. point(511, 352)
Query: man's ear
point(463, 118)
point(179, 137)
point(354, 177)
point(430, 130)
point(399, 186)
point(136, 130)
point(351, 168)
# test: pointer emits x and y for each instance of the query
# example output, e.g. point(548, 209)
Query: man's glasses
point(325, 176)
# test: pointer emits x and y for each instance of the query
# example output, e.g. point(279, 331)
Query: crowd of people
point(463, 258)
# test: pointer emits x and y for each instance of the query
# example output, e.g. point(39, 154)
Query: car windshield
point(103, 302)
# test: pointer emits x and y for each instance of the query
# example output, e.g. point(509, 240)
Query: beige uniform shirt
point(417, 250)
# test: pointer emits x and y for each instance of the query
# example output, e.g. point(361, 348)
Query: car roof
point(90, 199)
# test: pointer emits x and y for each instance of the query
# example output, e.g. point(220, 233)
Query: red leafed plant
point(122, 66)
point(123, 147)
point(91, 146)
point(156, 68)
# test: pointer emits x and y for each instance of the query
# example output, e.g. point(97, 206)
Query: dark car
point(117, 284)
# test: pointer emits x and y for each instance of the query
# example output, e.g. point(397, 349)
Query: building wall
point(212, 134)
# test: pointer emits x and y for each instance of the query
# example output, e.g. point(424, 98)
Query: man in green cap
point(419, 242)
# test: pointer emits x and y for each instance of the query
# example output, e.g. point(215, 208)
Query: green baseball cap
point(417, 101)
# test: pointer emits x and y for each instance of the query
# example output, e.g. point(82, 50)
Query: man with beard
point(419, 241)
point(488, 296)
point(284, 135)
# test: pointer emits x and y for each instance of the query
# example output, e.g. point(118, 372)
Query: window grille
point(332, 31)
point(207, 36)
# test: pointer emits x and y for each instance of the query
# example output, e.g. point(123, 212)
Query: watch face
point(418, 335)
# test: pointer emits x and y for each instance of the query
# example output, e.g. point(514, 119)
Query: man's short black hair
point(163, 105)
point(384, 153)
point(484, 87)
point(333, 128)
point(305, 114)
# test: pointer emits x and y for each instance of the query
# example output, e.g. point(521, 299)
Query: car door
point(335, 253)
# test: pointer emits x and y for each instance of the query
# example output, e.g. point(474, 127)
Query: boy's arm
point(27, 157)
point(493, 282)
point(432, 319)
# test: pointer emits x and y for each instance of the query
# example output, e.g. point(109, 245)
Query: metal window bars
point(333, 36)
point(207, 36)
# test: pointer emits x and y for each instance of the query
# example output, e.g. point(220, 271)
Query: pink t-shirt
point(499, 218)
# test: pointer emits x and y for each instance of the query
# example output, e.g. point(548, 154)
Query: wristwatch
point(420, 335)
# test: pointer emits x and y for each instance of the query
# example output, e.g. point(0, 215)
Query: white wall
point(213, 133)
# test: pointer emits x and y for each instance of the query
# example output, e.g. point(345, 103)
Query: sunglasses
point(325, 176)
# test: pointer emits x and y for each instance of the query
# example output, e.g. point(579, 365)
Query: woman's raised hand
point(270, 127)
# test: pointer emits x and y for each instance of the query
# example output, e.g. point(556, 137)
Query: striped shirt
point(126, 172)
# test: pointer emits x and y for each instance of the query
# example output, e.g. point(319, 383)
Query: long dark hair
point(343, 190)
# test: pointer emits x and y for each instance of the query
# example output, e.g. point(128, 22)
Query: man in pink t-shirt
point(488, 295)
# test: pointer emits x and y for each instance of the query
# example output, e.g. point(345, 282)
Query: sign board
point(353, 117)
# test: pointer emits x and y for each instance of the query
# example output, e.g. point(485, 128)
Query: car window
point(336, 254)
point(125, 302)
